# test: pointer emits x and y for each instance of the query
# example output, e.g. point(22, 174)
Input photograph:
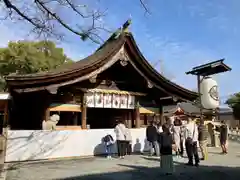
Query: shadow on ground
point(181, 172)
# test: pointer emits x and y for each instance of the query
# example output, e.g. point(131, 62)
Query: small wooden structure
point(186, 108)
point(115, 82)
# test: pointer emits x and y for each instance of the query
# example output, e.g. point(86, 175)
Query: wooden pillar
point(84, 112)
point(137, 117)
point(129, 119)
point(47, 114)
point(161, 115)
point(125, 118)
point(200, 101)
point(5, 119)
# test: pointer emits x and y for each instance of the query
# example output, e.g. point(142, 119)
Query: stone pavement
point(137, 167)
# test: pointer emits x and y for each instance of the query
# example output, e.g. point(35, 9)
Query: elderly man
point(191, 139)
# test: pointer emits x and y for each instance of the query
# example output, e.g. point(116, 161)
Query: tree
point(48, 17)
point(25, 57)
point(234, 103)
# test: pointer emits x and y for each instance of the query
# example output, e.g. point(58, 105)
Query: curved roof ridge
point(152, 69)
point(108, 47)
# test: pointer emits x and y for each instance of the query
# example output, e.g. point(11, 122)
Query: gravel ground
point(132, 167)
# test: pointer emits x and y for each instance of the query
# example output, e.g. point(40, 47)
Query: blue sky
point(182, 34)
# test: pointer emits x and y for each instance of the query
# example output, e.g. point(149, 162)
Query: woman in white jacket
point(120, 131)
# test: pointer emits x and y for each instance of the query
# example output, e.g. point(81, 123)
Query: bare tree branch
point(75, 9)
point(145, 7)
point(45, 22)
point(10, 6)
point(48, 18)
point(54, 15)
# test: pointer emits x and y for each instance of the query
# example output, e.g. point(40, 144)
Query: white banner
point(131, 102)
point(90, 100)
point(116, 101)
point(123, 101)
point(107, 101)
point(98, 100)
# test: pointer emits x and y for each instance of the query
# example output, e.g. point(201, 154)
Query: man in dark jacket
point(152, 138)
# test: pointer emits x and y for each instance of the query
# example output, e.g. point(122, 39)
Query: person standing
point(203, 139)
point(223, 136)
point(152, 138)
point(182, 139)
point(128, 142)
point(191, 139)
point(176, 135)
point(211, 130)
point(120, 131)
point(166, 142)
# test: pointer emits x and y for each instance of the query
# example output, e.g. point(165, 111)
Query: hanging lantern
point(209, 93)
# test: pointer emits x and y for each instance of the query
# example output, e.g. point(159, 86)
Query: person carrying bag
point(191, 139)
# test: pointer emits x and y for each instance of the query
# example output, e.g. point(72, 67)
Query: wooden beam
point(84, 112)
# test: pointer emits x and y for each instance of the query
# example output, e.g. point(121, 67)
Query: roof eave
point(211, 68)
point(190, 95)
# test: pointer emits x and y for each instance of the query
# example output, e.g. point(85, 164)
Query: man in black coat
point(152, 138)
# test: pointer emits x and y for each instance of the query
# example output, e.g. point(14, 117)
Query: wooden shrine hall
point(115, 82)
